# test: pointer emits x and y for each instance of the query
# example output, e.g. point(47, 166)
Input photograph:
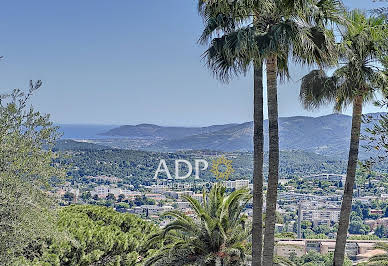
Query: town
point(307, 214)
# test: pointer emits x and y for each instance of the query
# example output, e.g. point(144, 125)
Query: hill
point(327, 135)
point(71, 145)
point(154, 131)
point(138, 167)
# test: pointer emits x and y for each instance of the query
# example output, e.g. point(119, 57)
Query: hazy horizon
point(204, 125)
point(107, 65)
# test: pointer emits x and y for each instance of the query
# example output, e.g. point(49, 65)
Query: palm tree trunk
point(271, 199)
point(258, 142)
point(339, 253)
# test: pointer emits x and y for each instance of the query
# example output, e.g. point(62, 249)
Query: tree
point(95, 235)
point(358, 227)
point(95, 197)
point(26, 210)
point(111, 196)
point(225, 18)
point(218, 237)
point(122, 206)
point(381, 231)
point(143, 200)
point(86, 195)
point(313, 258)
point(121, 197)
point(294, 30)
point(69, 196)
point(382, 11)
point(273, 33)
point(354, 82)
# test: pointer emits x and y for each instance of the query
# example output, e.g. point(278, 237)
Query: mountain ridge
point(156, 131)
point(327, 135)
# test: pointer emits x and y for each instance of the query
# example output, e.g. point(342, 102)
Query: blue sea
point(84, 131)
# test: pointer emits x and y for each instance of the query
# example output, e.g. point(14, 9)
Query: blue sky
point(126, 62)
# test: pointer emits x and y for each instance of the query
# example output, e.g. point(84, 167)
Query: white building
point(198, 197)
point(319, 217)
point(103, 191)
point(236, 184)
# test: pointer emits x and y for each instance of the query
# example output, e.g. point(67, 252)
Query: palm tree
point(292, 29)
point(271, 32)
point(217, 236)
point(254, 34)
point(231, 16)
point(382, 11)
point(353, 83)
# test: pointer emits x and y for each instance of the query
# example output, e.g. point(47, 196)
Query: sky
point(127, 62)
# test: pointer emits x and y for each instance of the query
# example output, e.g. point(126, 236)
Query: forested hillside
point(138, 167)
point(326, 135)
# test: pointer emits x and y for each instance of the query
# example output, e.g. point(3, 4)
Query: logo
point(221, 168)
point(162, 168)
point(224, 163)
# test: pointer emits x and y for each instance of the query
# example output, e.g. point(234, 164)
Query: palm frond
point(231, 54)
point(317, 89)
point(209, 234)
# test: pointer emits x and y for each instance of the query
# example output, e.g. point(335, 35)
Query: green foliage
point(362, 45)
point(283, 235)
point(86, 195)
point(265, 28)
point(361, 210)
point(355, 81)
point(111, 197)
point(97, 236)
point(306, 225)
point(218, 236)
point(381, 231)
point(69, 196)
point(314, 258)
point(358, 227)
point(138, 167)
point(314, 186)
point(26, 211)
point(67, 144)
point(143, 200)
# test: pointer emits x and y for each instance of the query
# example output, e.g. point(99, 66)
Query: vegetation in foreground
point(93, 235)
point(34, 231)
point(219, 235)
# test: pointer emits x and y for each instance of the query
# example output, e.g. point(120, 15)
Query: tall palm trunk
point(271, 199)
point(258, 142)
point(339, 252)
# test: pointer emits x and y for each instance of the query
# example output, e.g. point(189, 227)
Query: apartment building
point(103, 191)
point(236, 184)
point(318, 212)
